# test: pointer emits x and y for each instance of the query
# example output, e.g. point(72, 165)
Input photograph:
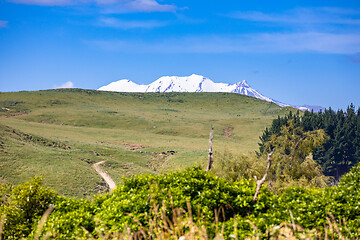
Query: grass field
point(59, 134)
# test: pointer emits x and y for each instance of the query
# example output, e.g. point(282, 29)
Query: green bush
point(236, 167)
point(313, 208)
point(213, 205)
point(131, 203)
point(69, 218)
point(344, 201)
point(23, 206)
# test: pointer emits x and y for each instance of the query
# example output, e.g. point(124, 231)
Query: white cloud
point(118, 23)
point(45, 2)
point(246, 43)
point(148, 6)
point(303, 16)
point(111, 6)
point(125, 6)
point(67, 84)
point(3, 24)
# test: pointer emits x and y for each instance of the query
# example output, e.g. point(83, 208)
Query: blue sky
point(298, 52)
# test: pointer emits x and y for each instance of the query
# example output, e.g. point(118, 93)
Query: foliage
point(341, 151)
point(143, 199)
point(236, 167)
point(275, 129)
point(70, 217)
point(291, 162)
point(191, 203)
point(204, 191)
point(345, 199)
point(23, 206)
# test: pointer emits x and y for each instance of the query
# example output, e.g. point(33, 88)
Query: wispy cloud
point(147, 6)
point(303, 16)
point(66, 2)
point(3, 24)
point(323, 30)
point(125, 24)
point(45, 2)
point(245, 43)
point(67, 84)
point(111, 6)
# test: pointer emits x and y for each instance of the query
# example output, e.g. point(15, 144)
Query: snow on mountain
point(193, 83)
point(124, 85)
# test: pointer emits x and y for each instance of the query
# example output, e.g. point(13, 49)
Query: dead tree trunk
point(210, 150)
point(260, 182)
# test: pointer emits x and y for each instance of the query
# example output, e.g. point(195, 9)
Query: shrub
point(23, 207)
point(70, 217)
point(131, 203)
point(185, 203)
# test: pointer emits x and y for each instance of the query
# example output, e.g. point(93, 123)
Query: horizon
point(298, 52)
point(69, 85)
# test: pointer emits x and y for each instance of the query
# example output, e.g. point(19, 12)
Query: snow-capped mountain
point(124, 85)
point(193, 83)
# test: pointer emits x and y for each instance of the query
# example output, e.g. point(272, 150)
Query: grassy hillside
point(59, 134)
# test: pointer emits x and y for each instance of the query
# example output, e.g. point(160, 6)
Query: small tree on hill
point(292, 162)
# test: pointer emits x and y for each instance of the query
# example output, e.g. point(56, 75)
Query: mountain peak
point(243, 83)
point(196, 75)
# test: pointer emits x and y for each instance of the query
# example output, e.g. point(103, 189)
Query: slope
point(133, 132)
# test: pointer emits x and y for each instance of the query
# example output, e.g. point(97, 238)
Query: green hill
point(59, 134)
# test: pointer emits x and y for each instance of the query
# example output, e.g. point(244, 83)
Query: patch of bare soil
point(104, 175)
point(228, 131)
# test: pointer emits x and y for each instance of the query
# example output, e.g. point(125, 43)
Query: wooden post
point(260, 182)
point(210, 149)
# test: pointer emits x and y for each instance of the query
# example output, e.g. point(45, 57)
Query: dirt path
point(104, 175)
point(228, 131)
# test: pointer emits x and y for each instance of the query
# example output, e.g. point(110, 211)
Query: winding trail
point(104, 175)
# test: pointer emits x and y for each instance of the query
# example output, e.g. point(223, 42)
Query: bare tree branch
point(210, 149)
point(260, 182)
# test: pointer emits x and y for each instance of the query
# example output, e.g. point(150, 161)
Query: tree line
point(339, 152)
